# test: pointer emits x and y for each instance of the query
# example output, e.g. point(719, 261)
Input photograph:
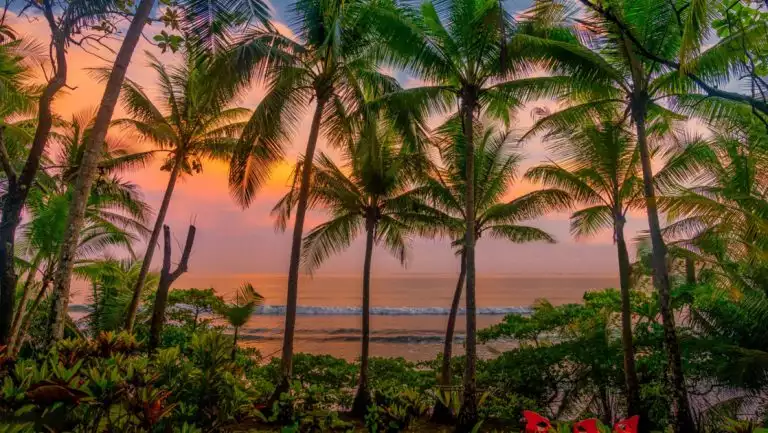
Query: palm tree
point(370, 194)
point(612, 74)
point(197, 125)
point(459, 47)
point(496, 170)
point(598, 166)
point(331, 61)
point(240, 310)
point(115, 212)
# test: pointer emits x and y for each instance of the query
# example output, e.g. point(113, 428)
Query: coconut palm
point(608, 74)
point(494, 214)
point(598, 166)
point(192, 123)
point(369, 195)
point(331, 60)
point(240, 310)
point(459, 48)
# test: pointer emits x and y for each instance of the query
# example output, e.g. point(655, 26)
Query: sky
point(231, 240)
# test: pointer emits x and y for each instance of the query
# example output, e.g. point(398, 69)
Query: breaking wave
point(302, 310)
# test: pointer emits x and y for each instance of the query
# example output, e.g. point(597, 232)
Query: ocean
point(409, 312)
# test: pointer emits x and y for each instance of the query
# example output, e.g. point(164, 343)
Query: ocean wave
point(303, 310)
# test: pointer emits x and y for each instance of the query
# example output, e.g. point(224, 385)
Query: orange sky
point(232, 240)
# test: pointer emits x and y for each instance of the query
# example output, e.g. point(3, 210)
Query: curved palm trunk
point(468, 415)
point(683, 419)
point(441, 412)
point(144, 271)
point(23, 301)
point(286, 362)
point(18, 186)
point(88, 170)
point(634, 406)
point(363, 396)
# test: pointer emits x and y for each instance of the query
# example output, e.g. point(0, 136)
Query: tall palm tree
point(459, 47)
point(194, 122)
point(331, 61)
point(610, 74)
point(369, 195)
point(598, 166)
point(494, 215)
point(240, 310)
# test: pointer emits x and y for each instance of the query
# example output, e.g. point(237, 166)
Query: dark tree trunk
point(144, 271)
point(167, 277)
point(690, 271)
point(286, 362)
point(442, 413)
point(87, 172)
point(363, 396)
point(683, 422)
point(634, 404)
point(468, 416)
point(234, 342)
point(18, 186)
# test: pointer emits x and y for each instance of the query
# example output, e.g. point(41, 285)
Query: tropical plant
point(239, 311)
point(193, 123)
point(330, 62)
point(115, 212)
point(598, 166)
point(494, 215)
point(608, 75)
point(460, 49)
point(371, 194)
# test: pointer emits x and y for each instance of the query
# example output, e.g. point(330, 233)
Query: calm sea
point(409, 313)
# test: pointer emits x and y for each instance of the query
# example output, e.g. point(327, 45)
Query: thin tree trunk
point(24, 298)
point(167, 277)
point(286, 362)
point(442, 413)
point(634, 404)
point(144, 271)
point(690, 271)
point(683, 422)
point(363, 396)
point(468, 416)
point(19, 339)
point(92, 154)
point(18, 186)
point(234, 342)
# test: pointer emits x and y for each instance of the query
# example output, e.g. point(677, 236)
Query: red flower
point(586, 426)
point(628, 425)
point(536, 423)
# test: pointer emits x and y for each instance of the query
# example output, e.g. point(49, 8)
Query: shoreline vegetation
point(644, 107)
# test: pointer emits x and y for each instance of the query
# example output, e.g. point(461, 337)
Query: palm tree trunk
point(442, 413)
point(92, 153)
point(141, 279)
point(363, 396)
point(19, 338)
point(468, 416)
point(286, 362)
point(630, 370)
point(18, 186)
point(24, 298)
point(234, 342)
point(683, 419)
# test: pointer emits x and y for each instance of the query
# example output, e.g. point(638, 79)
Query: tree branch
point(167, 274)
